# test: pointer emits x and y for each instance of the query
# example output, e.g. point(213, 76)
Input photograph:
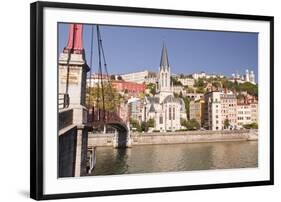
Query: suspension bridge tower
point(72, 90)
point(73, 72)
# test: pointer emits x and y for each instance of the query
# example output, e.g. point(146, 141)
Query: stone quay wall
point(176, 137)
point(100, 139)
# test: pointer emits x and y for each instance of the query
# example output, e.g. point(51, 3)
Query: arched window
point(170, 113)
point(174, 113)
point(161, 119)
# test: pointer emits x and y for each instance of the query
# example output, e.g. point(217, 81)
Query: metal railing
point(63, 100)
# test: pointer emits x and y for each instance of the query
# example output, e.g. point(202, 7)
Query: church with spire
point(166, 109)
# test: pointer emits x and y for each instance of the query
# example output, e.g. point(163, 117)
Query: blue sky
point(130, 49)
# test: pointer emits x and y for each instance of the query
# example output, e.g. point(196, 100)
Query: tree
point(199, 83)
point(251, 126)
point(119, 77)
point(189, 89)
point(216, 84)
point(111, 97)
point(112, 77)
point(151, 123)
point(186, 104)
point(176, 95)
point(192, 124)
point(180, 95)
point(152, 88)
point(135, 124)
point(200, 90)
point(252, 89)
point(175, 81)
point(144, 126)
point(226, 123)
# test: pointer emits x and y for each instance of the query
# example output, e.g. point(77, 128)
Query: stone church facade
point(164, 107)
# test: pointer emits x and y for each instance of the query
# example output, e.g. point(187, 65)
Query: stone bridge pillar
point(122, 138)
point(72, 81)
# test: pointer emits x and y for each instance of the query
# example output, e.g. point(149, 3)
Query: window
point(170, 113)
point(174, 113)
point(161, 119)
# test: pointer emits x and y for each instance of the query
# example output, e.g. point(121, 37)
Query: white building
point(248, 77)
point(207, 76)
point(213, 116)
point(220, 107)
point(140, 77)
point(135, 106)
point(164, 108)
point(229, 109)
point(254, 112)
point(96, 79)
point(243, 114)
point(199, 75)
point(187, 81)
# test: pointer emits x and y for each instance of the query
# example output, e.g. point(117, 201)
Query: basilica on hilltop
point(166, 109)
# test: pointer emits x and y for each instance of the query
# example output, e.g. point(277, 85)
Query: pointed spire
point(164, 63)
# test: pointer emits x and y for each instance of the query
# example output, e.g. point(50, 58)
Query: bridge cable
point(106, 71)
point(100, 72)
point(91, 68)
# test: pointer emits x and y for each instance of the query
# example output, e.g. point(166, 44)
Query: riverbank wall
point(183, 137)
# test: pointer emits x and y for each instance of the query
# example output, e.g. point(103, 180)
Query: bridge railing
point(63, 100)
point(65, 118)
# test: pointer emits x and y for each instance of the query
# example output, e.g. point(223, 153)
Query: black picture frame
point(36, 98)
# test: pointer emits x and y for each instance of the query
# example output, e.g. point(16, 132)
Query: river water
point(176, 157)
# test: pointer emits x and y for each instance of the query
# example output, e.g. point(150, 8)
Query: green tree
point(252, 89)
point(191, 124)
point(251, 126)
point(135, 124)
point(151, 123)
point(175, 81)
point(152, 88)
point(200, 90)
point(186, 104)
point(112, 77)
point(226, 123)
point(216, 84)
point(144, 126)
point(111, 97)
point(176, 95)
point(189, 89)
point(180, 95)
point(119, 77)
point(199, 83)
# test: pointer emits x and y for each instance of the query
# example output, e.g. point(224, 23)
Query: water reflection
point(177, 157)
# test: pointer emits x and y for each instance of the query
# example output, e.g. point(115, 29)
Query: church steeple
point(164, 74)
point(164, 63)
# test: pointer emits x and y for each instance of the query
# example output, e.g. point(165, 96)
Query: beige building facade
point(197, 110)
